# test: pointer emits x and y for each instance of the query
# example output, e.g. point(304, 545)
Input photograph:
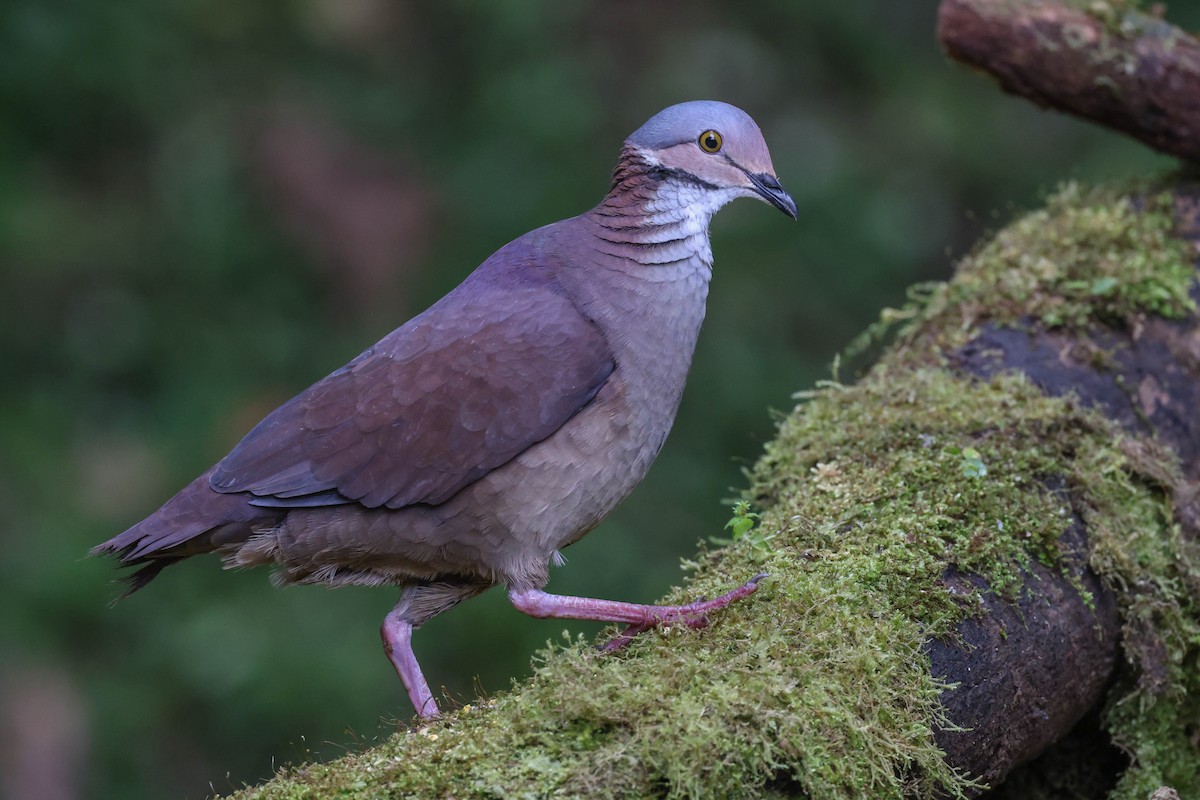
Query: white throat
point(682, 212)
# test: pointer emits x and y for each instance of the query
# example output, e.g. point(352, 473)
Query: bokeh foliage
point(162, 287)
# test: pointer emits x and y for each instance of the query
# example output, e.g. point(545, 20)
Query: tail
point(197, 520)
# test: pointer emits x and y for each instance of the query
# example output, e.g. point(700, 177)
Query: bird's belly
point(575, 479)
point(563, 487)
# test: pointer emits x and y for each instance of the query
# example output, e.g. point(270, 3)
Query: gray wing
point(437, 404)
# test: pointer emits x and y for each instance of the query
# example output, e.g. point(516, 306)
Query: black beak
point(772, 191)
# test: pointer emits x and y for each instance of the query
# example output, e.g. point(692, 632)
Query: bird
point(469, 446)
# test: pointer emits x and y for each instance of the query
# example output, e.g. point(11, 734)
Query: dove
point(472, 444)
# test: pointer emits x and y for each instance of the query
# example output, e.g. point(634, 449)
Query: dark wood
point(1028, 673)
point(1126, 70)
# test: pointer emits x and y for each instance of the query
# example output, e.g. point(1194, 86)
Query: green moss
point(1091, 255)
point(1111, 12)
point(819, 682)
point(1101, 255)
point(1088, 256)
point(1154, 712)
point(1107, 49)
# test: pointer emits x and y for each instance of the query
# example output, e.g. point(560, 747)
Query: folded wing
point(457, 392)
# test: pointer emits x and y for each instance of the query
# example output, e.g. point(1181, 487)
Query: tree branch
point(1129, 71)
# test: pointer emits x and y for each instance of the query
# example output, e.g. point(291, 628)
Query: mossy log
point(1103, 60)
point(990, 536)
point(984, 553)
point(1024, 691)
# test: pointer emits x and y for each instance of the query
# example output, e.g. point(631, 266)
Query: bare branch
point(1123, 69)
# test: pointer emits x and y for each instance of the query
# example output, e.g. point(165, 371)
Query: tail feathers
point(197, 520)
point(136, 580)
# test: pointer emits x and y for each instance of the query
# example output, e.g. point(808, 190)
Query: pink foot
point(640, 618)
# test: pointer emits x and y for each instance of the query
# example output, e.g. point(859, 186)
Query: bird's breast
point(594, 462)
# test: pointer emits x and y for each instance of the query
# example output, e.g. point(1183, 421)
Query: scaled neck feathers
point(654, 215)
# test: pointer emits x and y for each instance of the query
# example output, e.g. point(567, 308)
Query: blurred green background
point(205, 205)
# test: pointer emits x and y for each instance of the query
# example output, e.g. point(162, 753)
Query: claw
point(622, 639)
point(695, 615)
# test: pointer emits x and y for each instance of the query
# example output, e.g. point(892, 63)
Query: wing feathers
point(440, 402)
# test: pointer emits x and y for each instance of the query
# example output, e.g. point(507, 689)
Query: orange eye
point(710, 141)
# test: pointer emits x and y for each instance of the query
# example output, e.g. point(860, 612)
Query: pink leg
point(537, 603)
point(397, 643)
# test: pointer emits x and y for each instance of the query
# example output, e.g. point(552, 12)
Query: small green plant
point(972, 465)
point(742, 528)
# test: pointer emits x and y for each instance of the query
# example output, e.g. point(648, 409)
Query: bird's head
point(713, 145)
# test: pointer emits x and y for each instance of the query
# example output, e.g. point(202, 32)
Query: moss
point(819, 682)
point(1113, 13)
point(1091, 255)
point(1154, 712)
point(1101, 256)
point(1121, 21)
